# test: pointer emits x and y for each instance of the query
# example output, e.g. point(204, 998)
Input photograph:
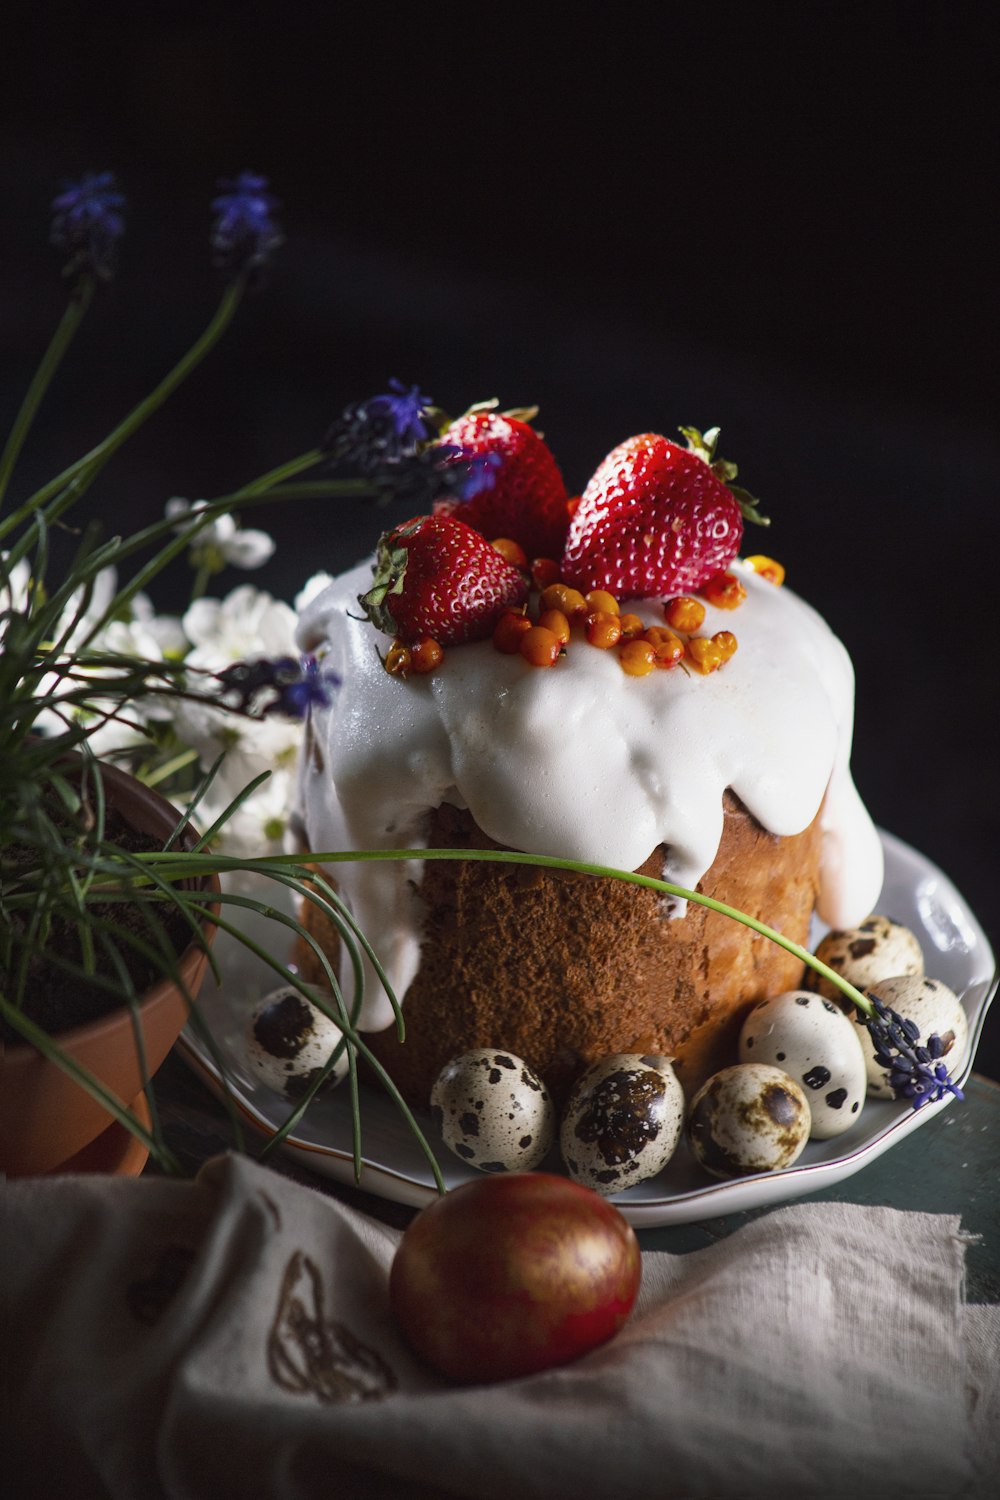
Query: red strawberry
point(657, 519)
point(526, 499)
point(437, 577)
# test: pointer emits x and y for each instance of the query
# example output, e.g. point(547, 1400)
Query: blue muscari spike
point(244, 233)
point(280, 685)
point(87, 221)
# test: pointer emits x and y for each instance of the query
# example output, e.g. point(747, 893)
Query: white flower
point(244, 626)
point(250, 745)
point(78, 618)
point(247, 624)
point(258, 825)
point(15, 583)
point(311, 589)
point(223, 540)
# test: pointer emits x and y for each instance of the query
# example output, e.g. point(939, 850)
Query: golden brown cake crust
point(562, 970)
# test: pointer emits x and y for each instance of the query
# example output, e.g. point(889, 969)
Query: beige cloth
point(232, 1337)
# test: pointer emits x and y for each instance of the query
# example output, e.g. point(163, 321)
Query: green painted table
point(950, 1165)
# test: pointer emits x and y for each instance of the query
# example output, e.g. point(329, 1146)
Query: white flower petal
point(248, 548)
point(309, 591)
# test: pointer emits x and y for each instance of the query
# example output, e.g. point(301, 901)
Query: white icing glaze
point(581, 760)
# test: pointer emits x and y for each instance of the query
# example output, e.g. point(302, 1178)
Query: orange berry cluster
point(641, 648)
point(421, 657)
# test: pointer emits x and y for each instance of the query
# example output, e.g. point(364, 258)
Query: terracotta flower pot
point(45, 1116)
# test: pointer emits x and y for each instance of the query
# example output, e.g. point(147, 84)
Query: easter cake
point(634, 697)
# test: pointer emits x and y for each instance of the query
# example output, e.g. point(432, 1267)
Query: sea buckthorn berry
point(726, 642)
point(668, 648)
point(724, 590)
point(511, 550)
point(398, 659)
point(508, 631)
point(556, 621)
point(540, 647)
point(561, 596)
point(767, 568)
point(684, 613)
point(704, 655)
point(425, 655)
point(571, 505)
point(602, 630)
point(638, 658)
point(632, 627)
point(544, 571)
point(603, 602)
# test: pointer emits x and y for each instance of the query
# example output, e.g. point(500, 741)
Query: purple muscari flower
point(914, 1071)
point(283, 685)
point(382, 430)
point(390, 440)
point(87, 221)
point(244, 235)
point(463, 477)
point(438, 472)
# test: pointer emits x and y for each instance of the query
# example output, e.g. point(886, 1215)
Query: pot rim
point(187, 957)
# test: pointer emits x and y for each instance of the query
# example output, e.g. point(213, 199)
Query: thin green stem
point(51, 360)
point(115, 1107)
point(201, 581)
point(85, 469)
point(319, 489)
point(287, 470)
point(552, 862)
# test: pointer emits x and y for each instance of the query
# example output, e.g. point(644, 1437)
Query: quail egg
point(817, 1044)
point(493, 1111)
point(622, 1121)
point(878, 949)
point(289, 1040)
point(934, 1008)
point(749, 1118)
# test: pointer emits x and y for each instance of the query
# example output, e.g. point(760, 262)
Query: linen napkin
point(232, 1337)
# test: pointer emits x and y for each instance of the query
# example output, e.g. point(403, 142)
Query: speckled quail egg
point(878, 949)
point(818, 1045)
point(289, 1040)
point(622, 1121)
point(933, 1007)
point(493, 1111)
point(749, 1118)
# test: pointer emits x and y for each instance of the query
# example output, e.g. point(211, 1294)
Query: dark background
point(776, 218)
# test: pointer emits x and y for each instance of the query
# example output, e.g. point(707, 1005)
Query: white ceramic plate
point(915, 892)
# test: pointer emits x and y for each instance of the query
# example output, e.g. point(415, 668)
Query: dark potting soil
point(56, 1000)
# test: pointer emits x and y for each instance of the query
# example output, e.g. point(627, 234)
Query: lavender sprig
point(244, 234)
point(390, 439)
point(913, 1071)
point(438, 472)
point(282, 685)
point(87, 222)
point(385, 429)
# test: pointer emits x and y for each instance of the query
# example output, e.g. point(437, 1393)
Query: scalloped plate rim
point(709, 1199)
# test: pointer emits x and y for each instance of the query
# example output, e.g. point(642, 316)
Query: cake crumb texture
point(564, 969)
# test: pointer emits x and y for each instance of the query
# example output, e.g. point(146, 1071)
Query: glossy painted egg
point(934, 1008)
point(817, 1044)
point(493, 1111)
point(288, 1042)
point(622, 1121)
point(878, 949)
point(749, 1118)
